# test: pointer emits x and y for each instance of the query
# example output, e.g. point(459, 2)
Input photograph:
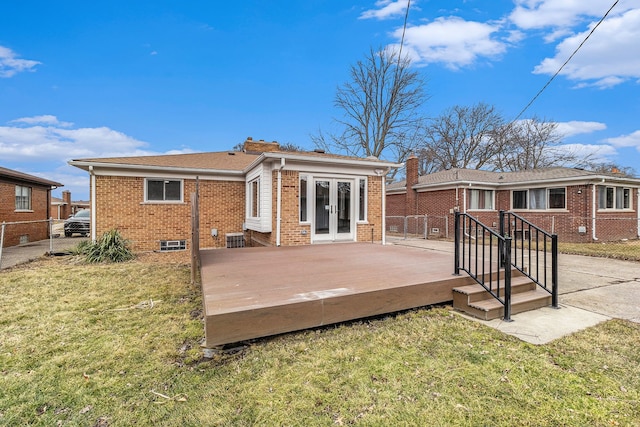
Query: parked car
point(79, 223)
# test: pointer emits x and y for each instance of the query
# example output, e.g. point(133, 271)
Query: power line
point(565, 62)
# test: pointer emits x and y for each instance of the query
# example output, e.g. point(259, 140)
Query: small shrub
point(81, 248)
point(111, 247)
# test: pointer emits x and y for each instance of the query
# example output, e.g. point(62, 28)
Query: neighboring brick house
point(63, 208)
point(578, 205)
point(26, 200)
point(262, 195)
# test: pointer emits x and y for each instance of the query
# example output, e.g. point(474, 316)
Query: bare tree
point(462, 137)
point(611, 169)
point(533, 143)
point(380, 108)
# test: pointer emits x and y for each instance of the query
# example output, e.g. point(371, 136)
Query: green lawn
point(118, 345)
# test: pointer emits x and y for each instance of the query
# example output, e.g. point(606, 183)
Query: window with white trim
point(614, 197)
point(254, 198)
point(481, 199)
point(539, 198)
point(23, 198)
point(163, 190)
point(303, 197)
point(362, 199)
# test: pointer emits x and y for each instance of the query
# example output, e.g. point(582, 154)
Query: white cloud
point(47, 138)
point(41, 120)
point(610, 56)
point(10, 65)
point(598, 153)
point(560, 14)
point(452, 41)
point(630, 140)
point(572, 128)
point(385, 9)
point(45, 144)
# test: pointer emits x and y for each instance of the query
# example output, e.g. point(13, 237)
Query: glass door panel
point(333, 210)
point(322, 207)
point(344, 206)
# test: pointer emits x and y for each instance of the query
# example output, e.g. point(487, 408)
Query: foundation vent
point(235, 240)
point(173, 245)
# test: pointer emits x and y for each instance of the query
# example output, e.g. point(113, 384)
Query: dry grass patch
point(117, 345)
point(625, 250)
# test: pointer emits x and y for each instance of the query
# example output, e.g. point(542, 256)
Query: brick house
point(261, 195)
point(578, 205)
point(63, 208)
point(26, 200)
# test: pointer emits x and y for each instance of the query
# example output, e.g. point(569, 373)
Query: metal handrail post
point(554, 270)
point(507, 281)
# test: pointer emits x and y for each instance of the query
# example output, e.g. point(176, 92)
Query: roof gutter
point(312, 159)
point(88, 165)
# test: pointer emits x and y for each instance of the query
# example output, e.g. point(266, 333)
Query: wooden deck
point(256, 292)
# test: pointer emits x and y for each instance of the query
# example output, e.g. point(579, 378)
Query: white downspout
point(593, 213)
point(279, 201)
point(93, 204)
point(464, 200)
point(384, 207)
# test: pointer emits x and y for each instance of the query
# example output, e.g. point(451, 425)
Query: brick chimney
point(257, 147)
point(65, 209)
point(411, 201)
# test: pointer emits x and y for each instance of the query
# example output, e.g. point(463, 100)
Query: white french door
point(333, 209)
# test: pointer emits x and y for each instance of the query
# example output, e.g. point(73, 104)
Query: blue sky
point(117, 78)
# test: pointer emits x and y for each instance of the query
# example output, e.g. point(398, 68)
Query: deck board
point(255, 292)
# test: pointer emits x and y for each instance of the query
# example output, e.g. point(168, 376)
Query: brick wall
point(573, 224)
point(374, 212)
point(396, 204)
point(40, 212)
point(119, 205)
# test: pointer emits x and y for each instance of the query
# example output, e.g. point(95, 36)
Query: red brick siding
point(40, 212)
point(610, 226)
point(396, 204)
point(374, 212)
point(120, 205)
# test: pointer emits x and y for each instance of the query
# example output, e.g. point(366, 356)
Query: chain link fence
point(418, 226)
point(24, 241)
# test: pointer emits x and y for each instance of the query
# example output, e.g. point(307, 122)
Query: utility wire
point(565, 62)
point(404, 29)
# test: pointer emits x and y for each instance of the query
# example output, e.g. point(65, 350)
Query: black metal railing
point(534, 252)
point(481, 252)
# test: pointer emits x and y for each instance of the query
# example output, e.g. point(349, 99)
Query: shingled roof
point(474, 176)
point(20, 176)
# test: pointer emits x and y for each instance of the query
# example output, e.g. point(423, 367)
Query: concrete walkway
point(591, 290)
point(21, 254)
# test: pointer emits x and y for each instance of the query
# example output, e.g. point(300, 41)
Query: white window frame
point(20, 189)
point(362, 211)
point(618, 194)
point(493, 199)
point(254, 197)
point(529, 193)
point(166, 181)
point(306, 180)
